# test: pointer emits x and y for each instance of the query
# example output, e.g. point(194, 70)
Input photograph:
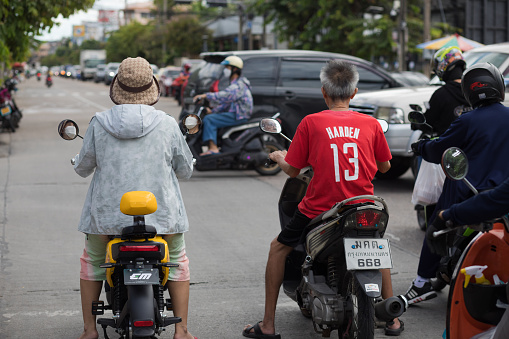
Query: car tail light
point(215, 86)
point(141, 248)
point(143, 323)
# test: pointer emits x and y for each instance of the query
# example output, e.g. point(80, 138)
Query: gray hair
point(339, 79)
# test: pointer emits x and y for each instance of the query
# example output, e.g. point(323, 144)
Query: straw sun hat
point(134, 83)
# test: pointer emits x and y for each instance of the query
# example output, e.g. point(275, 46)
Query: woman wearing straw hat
point(131, 147)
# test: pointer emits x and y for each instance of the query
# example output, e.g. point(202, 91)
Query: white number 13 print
point(354, 161)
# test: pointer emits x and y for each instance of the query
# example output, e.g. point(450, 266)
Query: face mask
point(70, 131)
point(227, 73)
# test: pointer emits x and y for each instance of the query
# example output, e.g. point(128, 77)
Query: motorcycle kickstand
point(104, 329)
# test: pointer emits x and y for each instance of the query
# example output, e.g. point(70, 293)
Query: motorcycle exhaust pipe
point(390, 308)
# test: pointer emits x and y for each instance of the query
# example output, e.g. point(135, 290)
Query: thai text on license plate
point(141, 277)
point(367, 253)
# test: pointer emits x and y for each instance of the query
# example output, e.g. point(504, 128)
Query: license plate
point(6, 110)
point(367, 253)
point(141, 277)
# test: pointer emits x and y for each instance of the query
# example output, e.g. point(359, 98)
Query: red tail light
point(142, 248)
point(368, 218)
point(143, 323)
point(215, 86)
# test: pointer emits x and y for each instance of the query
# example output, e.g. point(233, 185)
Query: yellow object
point(477, 272)
point(109, 257)
point(138, 203)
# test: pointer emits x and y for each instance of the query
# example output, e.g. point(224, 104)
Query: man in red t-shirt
point(345, 150)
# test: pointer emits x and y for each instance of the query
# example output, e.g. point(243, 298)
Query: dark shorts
point(292, 233)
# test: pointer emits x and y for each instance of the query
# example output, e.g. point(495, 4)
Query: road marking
point(90, 102)
point(57, 313)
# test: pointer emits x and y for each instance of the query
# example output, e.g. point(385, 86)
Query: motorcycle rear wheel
point(269, 146)
point(362, 324)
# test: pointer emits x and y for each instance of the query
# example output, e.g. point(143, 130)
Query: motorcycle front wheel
point(361, 323)
point(269, 146)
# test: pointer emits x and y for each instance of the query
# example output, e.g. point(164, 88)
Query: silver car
point(393, 105)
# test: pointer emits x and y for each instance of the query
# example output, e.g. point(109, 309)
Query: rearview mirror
point(270, 126)
point(384, 124)
point(415, 107)
point(192, 122)
point(416, 117)
point(455, 165)
point(68, 130)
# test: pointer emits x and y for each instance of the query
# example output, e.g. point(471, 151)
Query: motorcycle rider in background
point(359, 151)
point(477, 133)
point(233, 105)
point(133, 147)
point(181, 80)
point(445, 105)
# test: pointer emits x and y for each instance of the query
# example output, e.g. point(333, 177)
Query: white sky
point(65, 28)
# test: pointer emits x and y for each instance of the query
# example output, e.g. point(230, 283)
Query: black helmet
point(483, 84)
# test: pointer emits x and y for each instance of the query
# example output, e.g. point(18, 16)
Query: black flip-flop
point(258, 333)
point(394, 332)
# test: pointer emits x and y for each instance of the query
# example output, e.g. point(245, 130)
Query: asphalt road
point(233, 218)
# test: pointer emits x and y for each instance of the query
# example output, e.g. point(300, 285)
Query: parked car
point(411, 78)
point(285, 81)
point(166, 77)
point(155, 69)
point(99, 73)
point(393, 105)
point(110, 72)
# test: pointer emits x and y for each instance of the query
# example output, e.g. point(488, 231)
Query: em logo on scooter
point(140, 276)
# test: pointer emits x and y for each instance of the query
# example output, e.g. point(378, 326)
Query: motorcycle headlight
point(391, 114)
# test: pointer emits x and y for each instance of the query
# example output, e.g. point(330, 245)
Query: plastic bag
point(428, 185)
point(486, 335)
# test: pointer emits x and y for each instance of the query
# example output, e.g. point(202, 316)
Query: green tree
point(133, 40)
point(184, 37)
point(339, 25)
point(22, 20)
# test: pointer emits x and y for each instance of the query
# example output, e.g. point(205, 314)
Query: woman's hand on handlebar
point(199, 97)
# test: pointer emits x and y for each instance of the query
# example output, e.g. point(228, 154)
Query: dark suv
point(285, 81)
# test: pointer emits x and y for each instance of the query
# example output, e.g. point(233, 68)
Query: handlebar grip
point(269, 162)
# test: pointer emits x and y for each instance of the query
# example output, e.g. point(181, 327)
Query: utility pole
point(427, 35)
point(402, 36)
point(240, 37)
point(163, 22)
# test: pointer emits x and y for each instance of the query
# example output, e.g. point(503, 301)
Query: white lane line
point(57, 313)
point(90, 102)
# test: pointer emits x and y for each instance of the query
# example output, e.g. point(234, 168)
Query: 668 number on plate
point(367, 253)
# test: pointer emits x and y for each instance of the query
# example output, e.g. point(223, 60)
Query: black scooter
point(334, 276)
point(243, 147)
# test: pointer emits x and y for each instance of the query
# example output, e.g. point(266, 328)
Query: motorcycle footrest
point(106, 322)
point(171, 320)
point(98, 307)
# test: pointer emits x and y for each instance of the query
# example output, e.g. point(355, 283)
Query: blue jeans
point(212, 122)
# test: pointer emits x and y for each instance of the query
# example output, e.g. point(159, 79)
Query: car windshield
point(93, 63)
point(211, 70)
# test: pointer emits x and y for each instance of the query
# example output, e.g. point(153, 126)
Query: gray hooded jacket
point(133, 148)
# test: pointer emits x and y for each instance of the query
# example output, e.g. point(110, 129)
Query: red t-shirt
point(342, 148)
